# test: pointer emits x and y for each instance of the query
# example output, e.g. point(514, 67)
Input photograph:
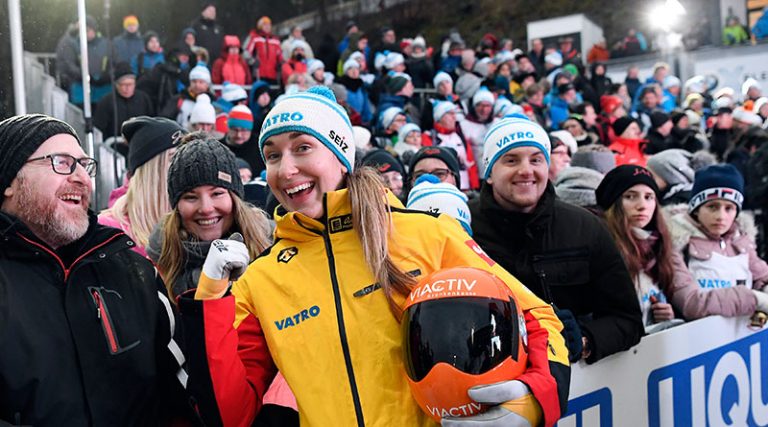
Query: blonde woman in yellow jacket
point(323, 304)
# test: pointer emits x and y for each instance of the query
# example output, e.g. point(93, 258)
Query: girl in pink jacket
point(716, 242)
point(628, 194)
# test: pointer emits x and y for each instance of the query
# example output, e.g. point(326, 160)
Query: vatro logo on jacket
point(297, 318)
point(287, 254)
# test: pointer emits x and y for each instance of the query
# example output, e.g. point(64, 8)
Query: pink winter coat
point(696, 302)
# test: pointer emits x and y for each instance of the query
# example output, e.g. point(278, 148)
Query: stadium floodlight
point(665, 16)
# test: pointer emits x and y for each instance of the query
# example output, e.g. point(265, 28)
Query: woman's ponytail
point(371, 219)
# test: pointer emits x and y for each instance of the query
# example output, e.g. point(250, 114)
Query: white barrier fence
point(711, 372)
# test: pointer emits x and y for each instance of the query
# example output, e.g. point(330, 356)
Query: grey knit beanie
point(594, 156)
point(673, 166)
point(20, 136)
point(576, 185)
point(202, 162)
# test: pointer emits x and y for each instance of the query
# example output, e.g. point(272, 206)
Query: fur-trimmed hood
point(682, 227)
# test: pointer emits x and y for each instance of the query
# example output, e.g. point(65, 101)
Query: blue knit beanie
point(717, 182)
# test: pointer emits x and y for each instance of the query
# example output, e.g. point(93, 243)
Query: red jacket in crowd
point(265, 48)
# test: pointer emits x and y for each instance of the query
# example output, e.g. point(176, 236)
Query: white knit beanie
point(200, 72)
point(406, 129)
point(431, 195)
point(316, 113)
point(483, 95)
point(350, 63)
point(203, 111)
point(440, 77)
point(511, 132)
point(388, 116)
point(442, 108)
point(233, 93)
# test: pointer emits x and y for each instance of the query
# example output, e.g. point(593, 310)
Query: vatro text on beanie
point(202, 162)
point(717, 182)
point(513, 131)
point(431, 195)
point(314, 112)
point(20, 136)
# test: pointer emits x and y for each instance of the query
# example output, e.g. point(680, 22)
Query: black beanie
point(383, 161)
point(396, 83)
point(147, 137)
point(123, 69)
point(203, 162)
point(621, 124)
point(618, 180)
point(658, 118)
point(20, 136)
point(447, 155)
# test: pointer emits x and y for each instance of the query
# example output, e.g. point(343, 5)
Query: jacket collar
point(543, 212)
point(338, 217)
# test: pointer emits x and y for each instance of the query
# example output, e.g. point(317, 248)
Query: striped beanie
point(316, 113)
point(240, 116)
point(511, 132)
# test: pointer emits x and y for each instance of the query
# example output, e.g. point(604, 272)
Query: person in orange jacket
point(629, 145)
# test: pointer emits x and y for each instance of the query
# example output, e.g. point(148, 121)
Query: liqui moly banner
point(711, 372)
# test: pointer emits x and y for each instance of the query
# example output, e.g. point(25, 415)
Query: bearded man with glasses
point(86, 329)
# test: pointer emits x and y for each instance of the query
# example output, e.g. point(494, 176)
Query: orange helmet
point(462, 328)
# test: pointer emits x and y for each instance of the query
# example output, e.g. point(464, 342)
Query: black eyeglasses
point(440, 173)
point(64, 164)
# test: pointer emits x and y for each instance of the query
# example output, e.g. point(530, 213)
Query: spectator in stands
point(129, 43)
point(659, 133)
point(230, 66)
point(206, 197)
point(67, 63)
point(203, 115)
point(189, 37)
point(430, 195)
point(240, 139)
point(208, 34)
point(537, 55)
point(649, 102)
point(418, 64)
point(357, 93)
point(598, 52)
point(751, 89)
point(168, 78)
point(297, 33)
point(316, 73)
point(151, 144)
point(443, 84)
point(760, 29)
point(58, 265)
point(260, 102)
point(670, 93)
point(716, 239)
point(180, 106)
point(721, 135)
point(563, 254)
point(350, 28)
point(629, 144)
point(450, 63)
point(409, 141)
point(129, 102)
point(569, 53)
point(297, 64)
point(559, 108)
point(387, 43)
point(390, 121)
point(446, 133)
point(151, 55)
point(629, 196)
point(734, 32)
point(438, 161)
point(560, 153)
point(553, 62)
point(390, 168)
point(599, 81)
point(261, 49)
point(98, 63)
point(476, 123)
point(673, 170)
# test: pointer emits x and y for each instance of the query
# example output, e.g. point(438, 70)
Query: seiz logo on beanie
point(339, 140)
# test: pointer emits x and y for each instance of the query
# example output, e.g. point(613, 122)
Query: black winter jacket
point(85, 333)
point(566, 256)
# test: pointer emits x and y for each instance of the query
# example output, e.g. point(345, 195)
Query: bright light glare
point(666, 16)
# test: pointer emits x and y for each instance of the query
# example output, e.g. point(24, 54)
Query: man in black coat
point(563, 253)
point(129, 101)
point(86, 329)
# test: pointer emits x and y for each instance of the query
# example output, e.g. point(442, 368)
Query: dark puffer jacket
point(85, 332)
point(566, 256)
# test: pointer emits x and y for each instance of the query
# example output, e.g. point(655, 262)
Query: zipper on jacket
point(61, 263)
point(342, 330)
point(106, 323)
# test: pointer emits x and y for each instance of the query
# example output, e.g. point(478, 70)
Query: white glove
point(226, 262)
point(762, 301)
point(515, 407)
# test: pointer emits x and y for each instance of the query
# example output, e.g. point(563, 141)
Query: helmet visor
point(473, 335)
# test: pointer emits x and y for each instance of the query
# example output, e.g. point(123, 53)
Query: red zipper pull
point(98, 303)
